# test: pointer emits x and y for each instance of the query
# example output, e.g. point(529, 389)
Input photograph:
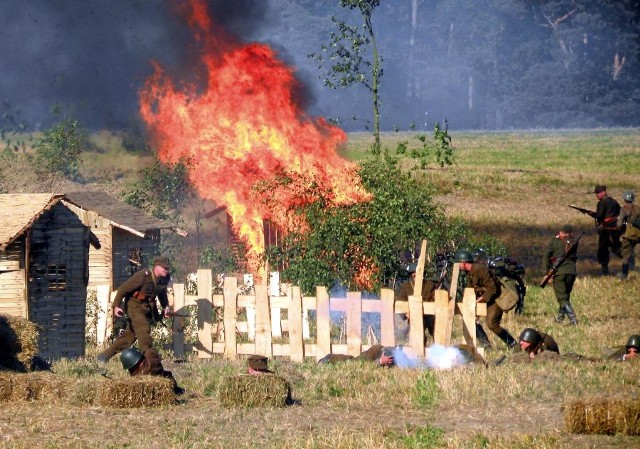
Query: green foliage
point(427, 390)
point(424, 438)
point(440, 150)
point(161, 189)
point(59, 148)
point(347, 62)
point(218, 258)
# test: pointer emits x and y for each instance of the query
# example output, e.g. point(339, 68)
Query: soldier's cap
point(258, 363)
point(566, 228)
point(599, 188)
point(162, 261)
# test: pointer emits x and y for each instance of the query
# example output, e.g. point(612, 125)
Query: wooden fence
point(264, 325)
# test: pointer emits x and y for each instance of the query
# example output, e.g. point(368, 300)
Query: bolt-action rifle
point(554, 268)
point(588, 212)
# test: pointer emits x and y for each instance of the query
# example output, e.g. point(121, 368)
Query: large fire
point(241, 125)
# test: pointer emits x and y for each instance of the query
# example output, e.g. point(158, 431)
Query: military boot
point(561, 313)
point(571, 314)
point(505, 336)
point(605, 270)
point(625, 272)
point(483, 338)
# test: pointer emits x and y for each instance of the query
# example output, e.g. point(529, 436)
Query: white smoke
point(445, 357)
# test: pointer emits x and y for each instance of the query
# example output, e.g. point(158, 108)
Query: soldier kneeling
point(148, 363)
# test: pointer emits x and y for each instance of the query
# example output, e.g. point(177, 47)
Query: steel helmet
point(479, 255)
point(130, 358)
point(412, 267)
point(634, 342)
point(463, 256)
point(628, 196)
point(531, 336)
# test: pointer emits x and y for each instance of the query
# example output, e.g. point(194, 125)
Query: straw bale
point(83, 391)
point(138, 391)
point(32, 387)
point(18, 342)
point(265, 390)
point(603, 416)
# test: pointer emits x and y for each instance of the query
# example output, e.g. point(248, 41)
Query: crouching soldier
point(629, 352)
point(534, 342)
point(139, 364)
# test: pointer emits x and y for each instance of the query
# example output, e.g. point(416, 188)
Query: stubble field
point(514, 186)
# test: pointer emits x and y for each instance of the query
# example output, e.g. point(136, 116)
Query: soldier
point(566, 274)
point(382, 355)
point(258, 364)
point(487, 289)
point(630, 352)
point(428, 295)
point(139, 364)
point(631, 233)
point(535, 342)
point(606, 217)
point(137, 296)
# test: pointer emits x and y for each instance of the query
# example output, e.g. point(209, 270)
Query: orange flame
point(241, 126)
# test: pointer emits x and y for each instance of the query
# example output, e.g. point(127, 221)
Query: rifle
point(588, 212)
point(554, 268)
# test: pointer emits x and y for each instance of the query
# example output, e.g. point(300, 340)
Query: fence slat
point(416, 325)
point(205, 314)
point(442, 317)
point(263, 321)
point(323, 323)
point(387, 323)
point(354, 323)
point(230, 309)
point(296, 344)
point(178, 323)
point(102, 295)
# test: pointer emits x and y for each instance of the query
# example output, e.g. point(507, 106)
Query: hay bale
point(83, 391)
point(32, 387)
point(18, 342)
point(265, 390)
point(603, 416)
point(138, 391)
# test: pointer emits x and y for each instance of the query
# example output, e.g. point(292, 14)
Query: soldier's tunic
point(485, 284)
point(428, 295)
point(547, 344)
point(566, 275)
point(631, 234)
point(606, 216)
point(139, 294)
point(372, 354)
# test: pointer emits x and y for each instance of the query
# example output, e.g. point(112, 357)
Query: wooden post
point(306, 328)
point(296, 344)
point(205, 314)
point(387, 322)
point(442, 317)
point(416, 324)
point(251, 320)
point(354, 323)
point(178, 322)
point(469, 317)
point(102, 295)
point(112, 296)
point(230, 292)
point(323, 323)
point(453, 293)
point(276, 322)
point(263, 322)
point(417, 287)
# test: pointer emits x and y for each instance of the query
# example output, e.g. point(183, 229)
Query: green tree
point(347, 62)
point(358, 246)
point(59, 149)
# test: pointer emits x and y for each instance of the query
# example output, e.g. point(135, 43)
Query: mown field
point(513, 186)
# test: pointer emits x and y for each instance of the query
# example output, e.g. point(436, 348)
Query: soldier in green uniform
point(487, 289)
point(139, 364)
point(629, 352)
point(137, 296)
point(534, 342)
point(566, 274)
point(428, 295)
point(381, 355)
point(630, 232)
point(606, 216)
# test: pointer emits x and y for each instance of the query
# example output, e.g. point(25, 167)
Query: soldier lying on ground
point(139, 364)
point(258, 364)
point(628, 352)
point(534, 342)
point(382, 355)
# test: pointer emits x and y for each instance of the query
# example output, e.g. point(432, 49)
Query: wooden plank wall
point(57, 290)
point(295, 346)
point(13, 298)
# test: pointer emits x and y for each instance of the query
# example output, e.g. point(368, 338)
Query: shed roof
point(120, 214)
point(18, 211)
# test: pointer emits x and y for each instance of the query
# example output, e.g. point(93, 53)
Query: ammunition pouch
point(140, 296)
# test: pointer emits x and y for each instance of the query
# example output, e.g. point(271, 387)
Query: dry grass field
point(513, 186)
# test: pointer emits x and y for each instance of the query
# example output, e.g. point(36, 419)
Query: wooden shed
point(44, 253)
point(129, 238)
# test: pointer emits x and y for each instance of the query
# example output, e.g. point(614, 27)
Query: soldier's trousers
point(139, 328)
point(562, 286)
point(627, 250)
point(608, 239)
point(494, 317)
